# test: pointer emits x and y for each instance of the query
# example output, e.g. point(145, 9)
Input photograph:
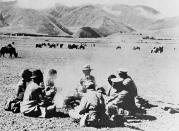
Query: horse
point(159, 49)
point(136, 48)
point(73, 46)
point(38, 46)
point(82, 47)
point(61, 45)
point(8, 50)
point(118, 47)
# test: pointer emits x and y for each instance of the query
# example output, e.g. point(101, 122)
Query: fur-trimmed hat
point(116, 80)
point(122, 70)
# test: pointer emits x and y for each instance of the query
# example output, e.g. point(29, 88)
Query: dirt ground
point(154, 74)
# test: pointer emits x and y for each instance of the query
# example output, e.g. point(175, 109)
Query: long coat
point(91, 109)
point(31, 100)
point(123, 97)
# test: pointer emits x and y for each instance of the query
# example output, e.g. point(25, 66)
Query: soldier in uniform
point(121, 96)
point(130, 86)
point(116, 97)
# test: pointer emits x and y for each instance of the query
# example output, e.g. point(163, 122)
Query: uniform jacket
point(92, 101)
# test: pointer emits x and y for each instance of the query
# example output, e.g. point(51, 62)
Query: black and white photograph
point(89, 65)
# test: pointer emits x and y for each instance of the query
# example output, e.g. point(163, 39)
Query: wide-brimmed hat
point(36, 74)
point(116, 80)
point(87, 67)
point(122, 70)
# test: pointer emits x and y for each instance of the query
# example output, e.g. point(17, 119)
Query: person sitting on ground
point(121, 95)
point(130, 86)
point(111, 84)
point(116, 98)
point(49, 81)
point(127, 95)
point(91, 110)
point(33, 102)
point(14, 104)
point(87, 77)
point(74, 100)
point(127, 80)
point(23, 83)
point(102, 91)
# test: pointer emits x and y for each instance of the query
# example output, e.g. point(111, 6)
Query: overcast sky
point(167, 7)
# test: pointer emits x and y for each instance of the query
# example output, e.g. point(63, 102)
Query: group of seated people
point(95, 107)
point(34, 94)
point(100, 108)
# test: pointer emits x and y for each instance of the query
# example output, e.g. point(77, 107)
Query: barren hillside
point(64, 20)
point(30, 21)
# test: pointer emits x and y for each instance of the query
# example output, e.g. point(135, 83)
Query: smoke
point(70, 73)
point(68, 77)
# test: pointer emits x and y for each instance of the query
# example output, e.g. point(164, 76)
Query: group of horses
point(75, 46)
point(49, 45)
point(9, 49)
point(134, 48)
point(155, 49)
point(69, 46)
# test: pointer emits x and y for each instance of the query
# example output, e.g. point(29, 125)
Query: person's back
point(14, 104)
point(115, 90)
point(33, 95)
point(130, 86)
point(34, 102)
point(91, 109)
point(32, 92)
point(23, 83)
point(20, 89)
point(31, 100)
point(91, 102)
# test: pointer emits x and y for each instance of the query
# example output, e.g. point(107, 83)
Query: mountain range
point(63, 20)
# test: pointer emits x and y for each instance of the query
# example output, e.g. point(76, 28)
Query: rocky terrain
point(155, 76)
